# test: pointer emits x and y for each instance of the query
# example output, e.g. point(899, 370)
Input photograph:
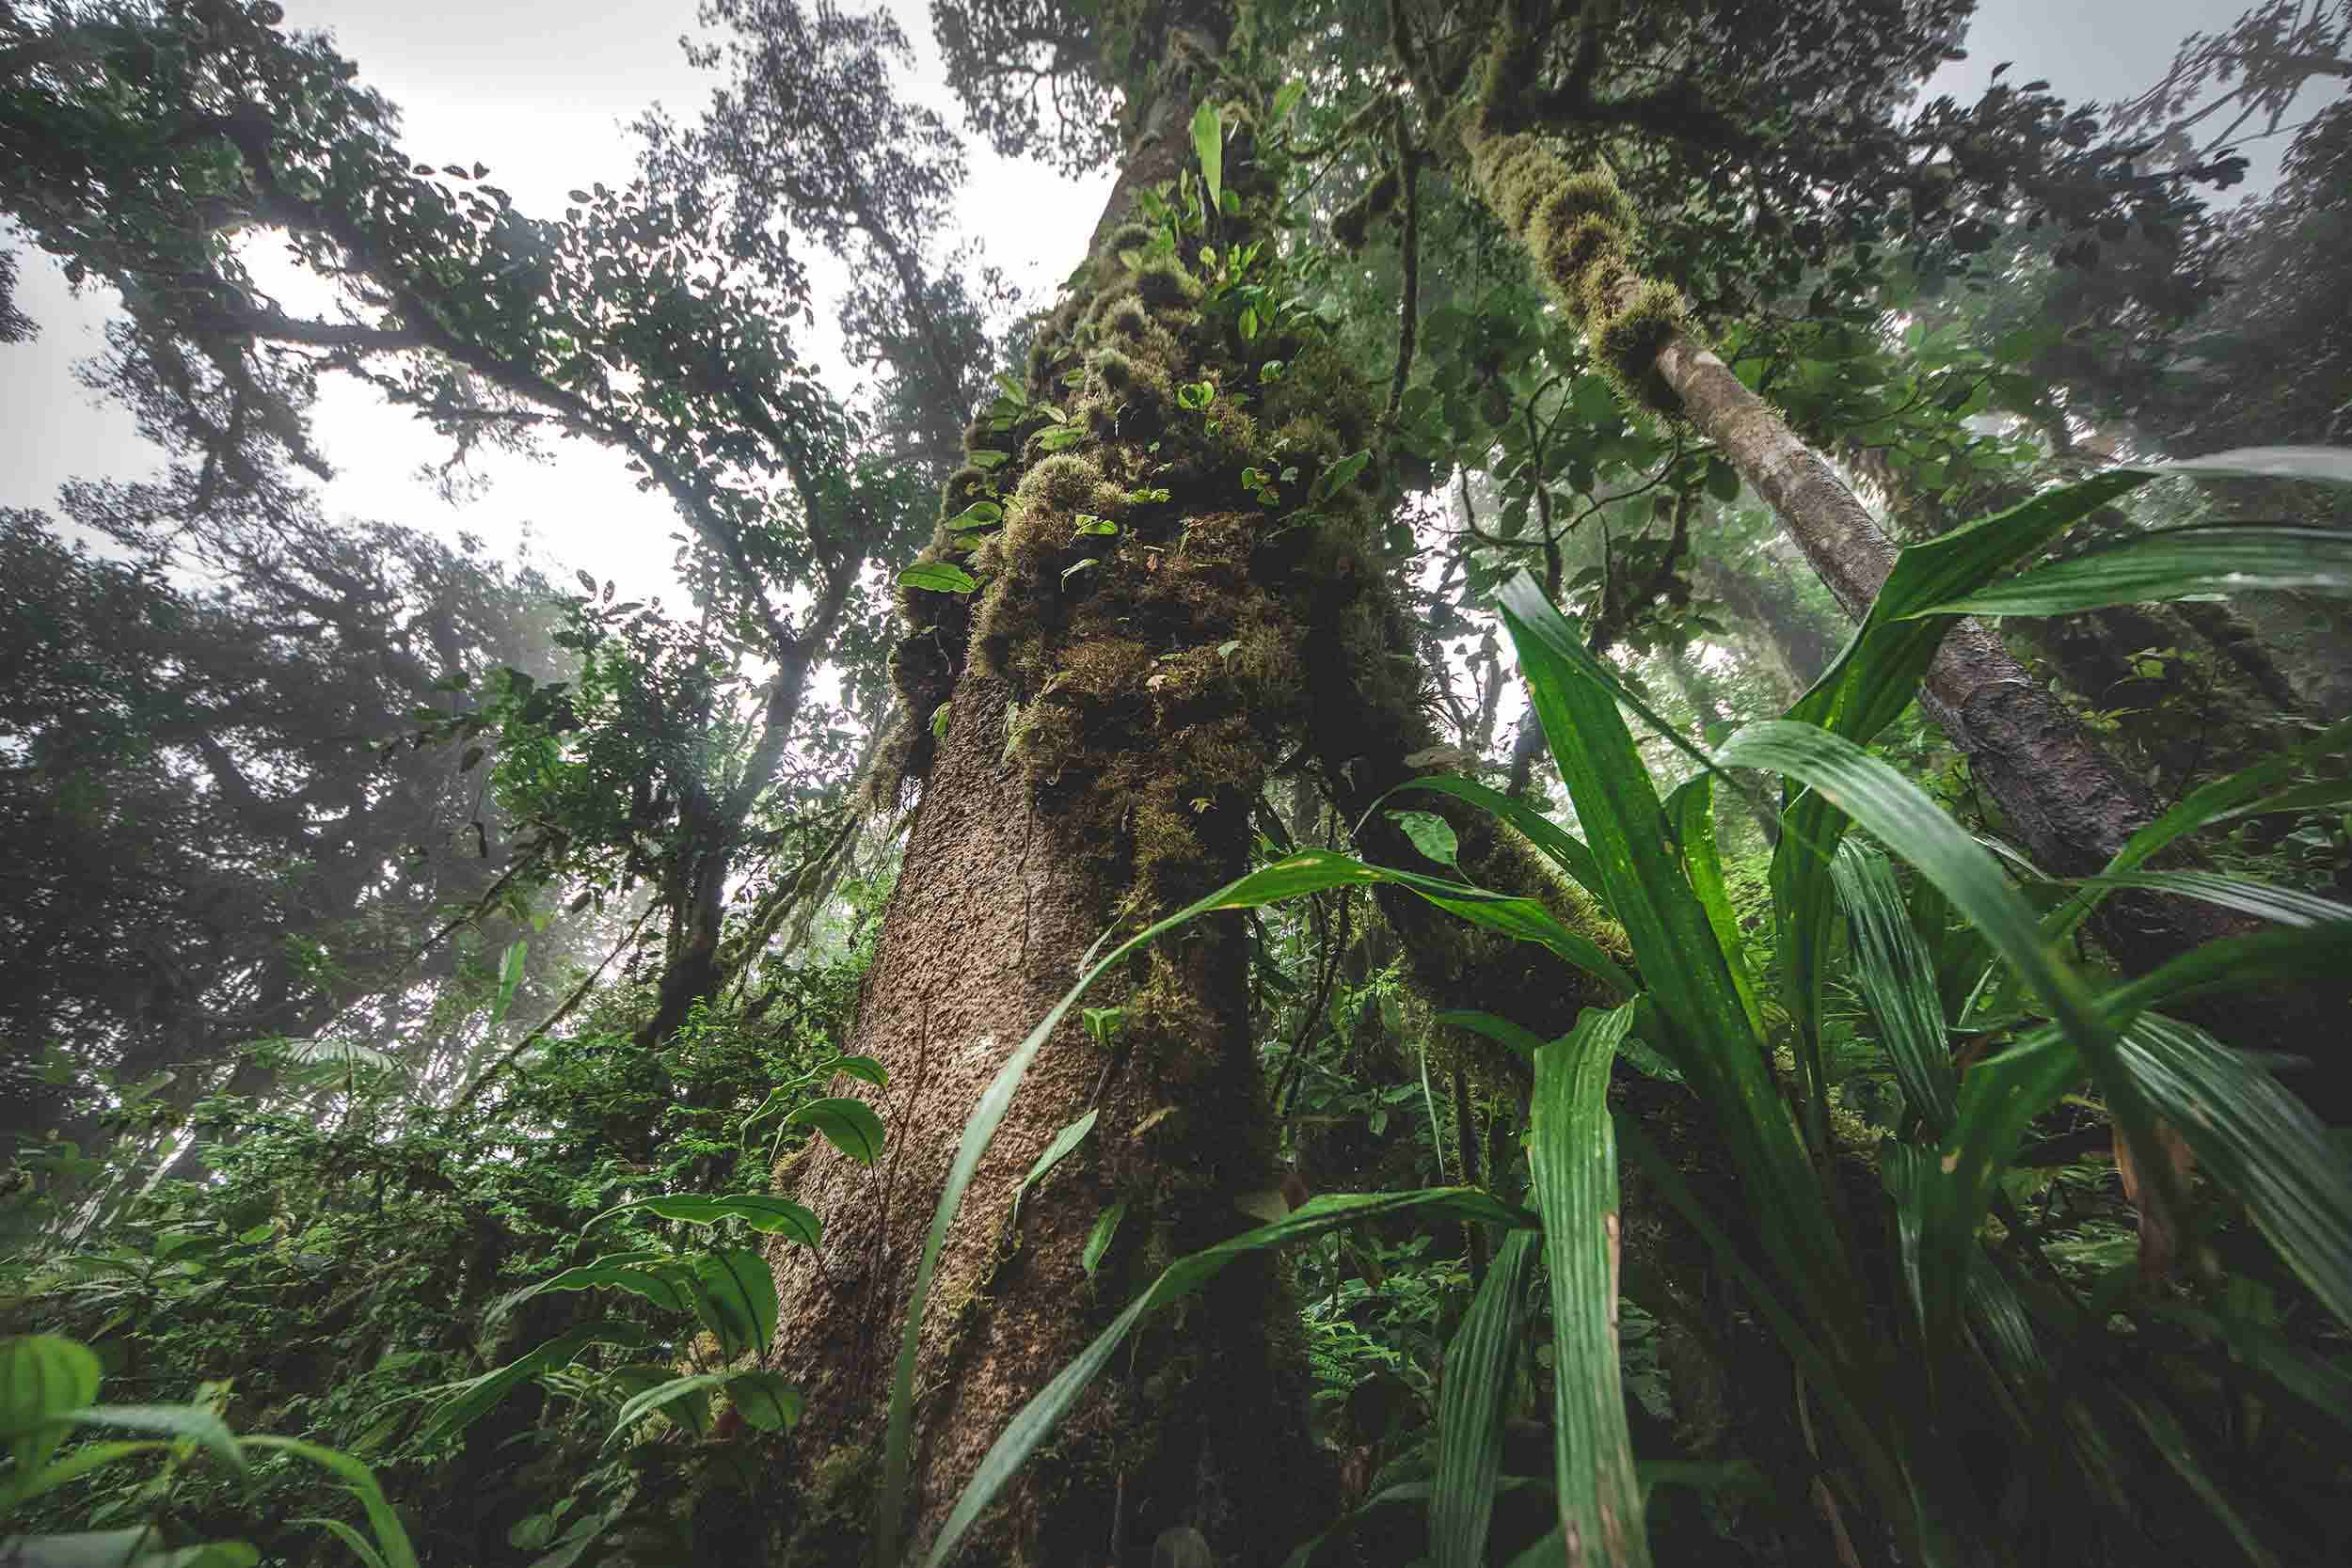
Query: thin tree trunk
point(1800, 646)
point(1000, 896)
point(1713, 724)
point(2062, 795)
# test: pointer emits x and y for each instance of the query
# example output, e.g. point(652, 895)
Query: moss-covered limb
point(1578, 230)
point(2061, 791)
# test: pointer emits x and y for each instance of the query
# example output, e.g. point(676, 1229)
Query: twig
point(553, 1019)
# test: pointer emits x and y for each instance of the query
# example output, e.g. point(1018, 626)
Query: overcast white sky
point(541, 93)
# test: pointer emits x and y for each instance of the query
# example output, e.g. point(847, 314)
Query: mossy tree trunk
point(1093, 721)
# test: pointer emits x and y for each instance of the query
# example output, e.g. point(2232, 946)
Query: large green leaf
point(1573, 1150)
point(391, 1537)
point(1707, 1035)
point(2173, 563)
point(187, 1424)
point(1517, 1036)
point(138, 1547)
point(1872, 680)
point(2264, 900)
point(1208, 144)
point(773, 1216)
point(1036, 1420)
point(1558, 845)
point(1058, 1149)
point(43, 1377)
point(2259, 1143)
point(2318, 465)
point(650, 1272)
point(1691, 809)
point(940, 577)
point(510, 976)
point(766, 1401)
point(19, 1487)
point(1901, 816)
point(2222, 798)
point(1999, 1098)
point(849, 1125)
point(2281, 955)
point(1898, 978)
point(464, 1403)
point(645, 1401)
point(1470, 1405)
point(735, 1300)
point(359, 1545)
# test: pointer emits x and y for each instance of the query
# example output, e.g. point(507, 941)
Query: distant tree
point(215, 847)
point(147, 143)
point(807, 140)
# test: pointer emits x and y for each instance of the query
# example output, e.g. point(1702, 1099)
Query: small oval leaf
point(849, 1125)
point(938, 577)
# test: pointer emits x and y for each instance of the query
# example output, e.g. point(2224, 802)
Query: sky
point(543, 94)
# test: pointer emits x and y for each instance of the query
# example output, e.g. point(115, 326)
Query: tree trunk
point(1800, 646)
point(2309, 641)
point(1003, 890)
point(1112, 702)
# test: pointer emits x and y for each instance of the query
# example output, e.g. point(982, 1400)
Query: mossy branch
point(1578, 230)
point(1408, 296)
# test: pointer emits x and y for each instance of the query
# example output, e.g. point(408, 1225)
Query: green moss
point(1047, 355)
point(1232, 441)
point(1162, 282)
point(1065, 483)
point(1628, 343)
point(1593, 193)
point(834, 1522)
point(1106, 670)
point(1320, 405)
point(1515, 173)
point(964, 486)
point(1135, 382)
point(1566, 258)
point(1127, 236)
point(1126, 317)
point(993, 626)
point(1578, 229)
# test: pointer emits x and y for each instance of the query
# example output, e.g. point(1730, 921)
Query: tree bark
point(1000, 896)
